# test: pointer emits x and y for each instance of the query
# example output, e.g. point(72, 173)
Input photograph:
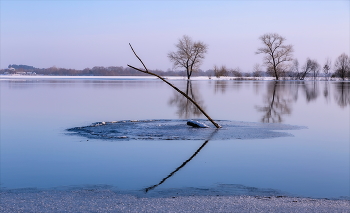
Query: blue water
point(36, 150)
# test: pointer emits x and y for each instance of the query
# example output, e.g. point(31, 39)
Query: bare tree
point(236, 72)
point(327, 68)
point(276, 53)
point(189, 54)
point(342, 66)
point(315, 69)
point(310, 66)
point(222, 71)
point(294, 70)
point(257, 70)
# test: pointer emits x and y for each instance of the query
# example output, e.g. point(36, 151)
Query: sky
point(83, 34)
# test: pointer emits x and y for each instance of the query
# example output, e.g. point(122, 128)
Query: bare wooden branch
point(138, 58)
point(182, 93)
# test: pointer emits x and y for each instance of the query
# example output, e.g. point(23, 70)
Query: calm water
point(37, 152)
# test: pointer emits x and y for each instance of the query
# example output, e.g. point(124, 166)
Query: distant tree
point(276, 53)
point(257, 70)
point(23, 67)
point(315, 69)
point(327, 68)
point(220, 71)
point(189, 54)
point(294, 70)
point(310, 66)
point(236, 72)
point(342, 66)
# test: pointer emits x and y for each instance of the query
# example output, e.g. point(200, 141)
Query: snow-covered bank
point(194, 78)
point(109, 201)
point(43, 77)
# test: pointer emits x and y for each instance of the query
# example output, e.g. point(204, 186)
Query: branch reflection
point(183, 164)
point(185, 108)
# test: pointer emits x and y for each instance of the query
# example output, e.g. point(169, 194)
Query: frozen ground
point(105, 200)
point(178, 130)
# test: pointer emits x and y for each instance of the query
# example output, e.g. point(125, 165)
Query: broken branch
point(182, 93)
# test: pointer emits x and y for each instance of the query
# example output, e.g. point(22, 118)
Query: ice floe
point(174, 129)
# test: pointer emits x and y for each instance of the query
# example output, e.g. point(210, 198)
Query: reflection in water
point(342, 94)
point(183, 164)
point(220, 86)
point(276, 104)
point(186, 109)
point(280, 95)
point(257, 87)
point(311, 91)
point(326, 91)
point(75, 82)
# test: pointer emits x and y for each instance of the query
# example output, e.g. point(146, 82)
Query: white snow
point(194, 78)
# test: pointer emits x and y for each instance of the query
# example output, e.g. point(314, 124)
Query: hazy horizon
point(84, 34)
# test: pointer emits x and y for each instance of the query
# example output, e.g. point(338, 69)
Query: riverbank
point(194, 78)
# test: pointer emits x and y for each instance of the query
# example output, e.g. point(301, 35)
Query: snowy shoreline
point(106, 200)
point(194, 78)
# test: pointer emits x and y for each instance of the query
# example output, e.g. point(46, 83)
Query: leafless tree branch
point(184, 94)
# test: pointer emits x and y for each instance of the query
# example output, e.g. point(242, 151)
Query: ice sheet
point(106, 200)
point(179, 130)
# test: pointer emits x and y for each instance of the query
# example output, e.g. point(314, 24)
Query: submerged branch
point(182, 93)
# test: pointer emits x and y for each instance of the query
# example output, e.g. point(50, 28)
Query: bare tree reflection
point(237, 85)
point(326, 91)
point(311, 91)
point(257, 87)
point(220, 86)
point(185, 108)
point(183, 164)
point(342, 94)
point(276, 104)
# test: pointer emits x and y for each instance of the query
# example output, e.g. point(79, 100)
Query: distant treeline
point(127, 71)
point(95, 71)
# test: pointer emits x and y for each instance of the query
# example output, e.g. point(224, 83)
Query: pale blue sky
point(80, 34)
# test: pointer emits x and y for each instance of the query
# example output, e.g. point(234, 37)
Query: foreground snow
point(109, 201)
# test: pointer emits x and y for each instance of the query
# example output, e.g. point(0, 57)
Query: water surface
point(37, 152)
